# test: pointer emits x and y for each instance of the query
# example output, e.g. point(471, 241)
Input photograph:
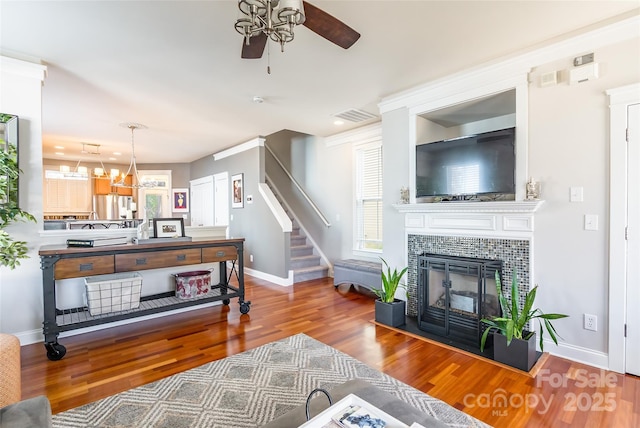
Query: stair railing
point(300, 189)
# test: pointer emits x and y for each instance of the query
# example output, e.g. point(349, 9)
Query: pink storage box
point(190, 285)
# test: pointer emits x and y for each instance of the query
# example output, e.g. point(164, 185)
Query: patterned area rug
point(247, 390)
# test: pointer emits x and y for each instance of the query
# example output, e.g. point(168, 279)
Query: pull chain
point(268, 58)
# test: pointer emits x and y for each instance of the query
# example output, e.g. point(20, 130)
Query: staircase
point(305, 264)
point(304, 261)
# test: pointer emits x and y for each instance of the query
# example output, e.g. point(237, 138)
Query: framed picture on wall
point(180, 198)
point(237, 191)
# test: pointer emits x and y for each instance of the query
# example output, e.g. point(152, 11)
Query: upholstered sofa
point(14, 412)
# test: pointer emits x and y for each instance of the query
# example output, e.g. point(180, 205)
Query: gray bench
point(358, 272)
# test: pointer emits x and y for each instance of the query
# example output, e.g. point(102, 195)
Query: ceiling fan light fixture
point(291, 11)
point(253, 7)
point(275, 18)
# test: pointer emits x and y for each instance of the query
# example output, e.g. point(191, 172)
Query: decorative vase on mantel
point(391, 314)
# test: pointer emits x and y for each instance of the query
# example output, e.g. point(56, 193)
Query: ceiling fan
point(277, 18)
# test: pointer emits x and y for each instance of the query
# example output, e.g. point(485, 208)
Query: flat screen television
point(473, 167)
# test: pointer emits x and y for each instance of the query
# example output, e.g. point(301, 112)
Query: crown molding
point(513, 67)
point(23, 68)
point(363, 134)
point(251, 144)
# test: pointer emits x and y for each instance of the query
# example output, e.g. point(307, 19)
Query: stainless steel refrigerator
point(111, 207)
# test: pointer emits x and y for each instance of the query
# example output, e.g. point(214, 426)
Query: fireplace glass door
point(454, 294)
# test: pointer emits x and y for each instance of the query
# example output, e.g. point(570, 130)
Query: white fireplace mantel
point(497, 219)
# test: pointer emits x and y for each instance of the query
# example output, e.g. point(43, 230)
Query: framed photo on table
point(168, 227)
point(237, 191)
point(180, 198)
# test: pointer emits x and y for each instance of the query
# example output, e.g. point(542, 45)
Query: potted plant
point(11, 251)
point(513, 344)
point(388, 309)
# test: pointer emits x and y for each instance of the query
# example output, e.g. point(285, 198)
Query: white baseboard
point(36, 336)
point(271, 278)
point(578, 354)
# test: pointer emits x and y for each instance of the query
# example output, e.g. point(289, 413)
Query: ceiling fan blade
point(255, 48)
point(332, 29)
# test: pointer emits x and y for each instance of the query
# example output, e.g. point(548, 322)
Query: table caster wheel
point(244, 307)
point(226, 301)
point(55, 351)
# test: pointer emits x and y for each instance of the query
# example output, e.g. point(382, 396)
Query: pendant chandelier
point(81, 171)
point(117, 179)
point(275, 18)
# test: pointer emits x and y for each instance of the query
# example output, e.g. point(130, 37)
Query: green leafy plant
point(513, 322)
point(390, 283)
point(11, 251)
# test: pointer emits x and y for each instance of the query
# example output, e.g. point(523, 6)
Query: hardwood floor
point(109, 361)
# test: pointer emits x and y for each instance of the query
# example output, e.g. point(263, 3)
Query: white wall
point(567, 146)
point(395, 164)
point(21, 289)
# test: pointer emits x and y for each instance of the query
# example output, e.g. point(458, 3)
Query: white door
point(155, 202)
point(202, 201)
point(221, 199)
point(632, 346)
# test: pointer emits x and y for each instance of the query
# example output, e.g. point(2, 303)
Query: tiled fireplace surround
point(493, 230)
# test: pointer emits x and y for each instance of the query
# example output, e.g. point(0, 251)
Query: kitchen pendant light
point(118, 180)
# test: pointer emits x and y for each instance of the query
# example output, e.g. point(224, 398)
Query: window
point(368, 197)
point(463, 179)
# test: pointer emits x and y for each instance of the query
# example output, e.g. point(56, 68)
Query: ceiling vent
point(354, 115)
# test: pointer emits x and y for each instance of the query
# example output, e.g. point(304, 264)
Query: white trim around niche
point(480, 85)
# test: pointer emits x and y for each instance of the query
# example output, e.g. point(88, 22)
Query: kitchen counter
point(90, 224)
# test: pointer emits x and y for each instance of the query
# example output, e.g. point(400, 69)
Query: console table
point(60, 262)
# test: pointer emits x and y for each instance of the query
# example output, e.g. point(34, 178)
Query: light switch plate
point(576, 194)
point(590, 222)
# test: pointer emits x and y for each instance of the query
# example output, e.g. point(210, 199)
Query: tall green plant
point(513, 322)
point(390, 283)
point(11, 251)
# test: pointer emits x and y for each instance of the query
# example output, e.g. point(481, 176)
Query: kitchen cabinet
point(64, 195)
point(102, 186)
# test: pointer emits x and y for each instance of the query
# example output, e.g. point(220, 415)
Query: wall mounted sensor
point(584, 73)
point(582, 60)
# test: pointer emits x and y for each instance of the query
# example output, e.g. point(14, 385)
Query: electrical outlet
point(251, 257)
point(590, 322)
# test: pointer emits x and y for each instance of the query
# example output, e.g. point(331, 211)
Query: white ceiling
point(175, 66)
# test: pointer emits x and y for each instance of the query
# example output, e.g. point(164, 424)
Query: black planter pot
point(391, 314)
point(520, 353)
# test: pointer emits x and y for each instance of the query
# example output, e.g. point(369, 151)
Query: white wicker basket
point(113, 293)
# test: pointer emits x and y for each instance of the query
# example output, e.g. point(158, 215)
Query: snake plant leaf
point(513, 322)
